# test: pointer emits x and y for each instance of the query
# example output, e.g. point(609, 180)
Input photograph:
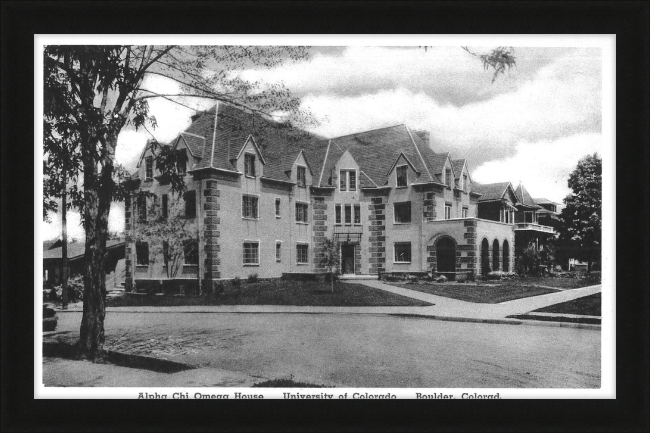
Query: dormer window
point(348, 180)
point(181, 161)
point(448, 178)
point(249, 164)
point(302, 176)
point(148, 167)
point(463, 185)
point(402, 178)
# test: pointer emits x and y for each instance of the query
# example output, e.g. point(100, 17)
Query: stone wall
point(377, 239)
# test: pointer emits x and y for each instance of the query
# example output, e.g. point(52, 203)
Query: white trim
point(395, 252)
point(392, 167)
point(259, 251)
point(347, 179)
point(214, 133)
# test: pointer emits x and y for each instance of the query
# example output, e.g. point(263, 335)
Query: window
point(249, 206)
point(249, 164)
point(148, 167)
point(464, 212)
point(278, 251)
point(165, 210)
point(402, 252)
point(301, 212)
point(302, 252)
point(429, 207)
point(357, 214)
point(402, 179)
point(251, 253)
point(142, 253)
point(464, 186)
point(190, 204)
point(277, 208)
point(142, 208)
point(348, 180)
point(302, 176)
point(338, 213)
point(348, 214)
point(402, 212)
point(447, 211)
point(181, 161)
point(529, 217)
point(191, 252)
point(448, 178)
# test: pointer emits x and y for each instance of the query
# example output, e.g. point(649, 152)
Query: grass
point(287, 383)
point(558, 282)
point(586, 320)
point(476, 293)
point(587, 305)
point(278, 292)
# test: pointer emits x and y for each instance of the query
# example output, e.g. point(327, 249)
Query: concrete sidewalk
point(443, 308)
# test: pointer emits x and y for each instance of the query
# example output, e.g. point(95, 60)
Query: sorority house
point(263, 198)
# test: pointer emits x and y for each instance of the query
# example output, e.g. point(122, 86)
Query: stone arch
point(485, 256)
point(495, 255)
point(506, 256)
point(432, 249)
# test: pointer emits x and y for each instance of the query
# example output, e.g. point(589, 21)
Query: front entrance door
point(347, 258)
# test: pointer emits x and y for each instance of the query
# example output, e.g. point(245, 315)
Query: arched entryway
point(506, 256)
point(446, 255)
point(495, 255)
point(485, 257)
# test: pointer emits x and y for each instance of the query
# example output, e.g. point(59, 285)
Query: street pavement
point(343, 346)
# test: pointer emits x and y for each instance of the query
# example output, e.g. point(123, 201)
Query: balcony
point(534, 227)
point(348, 233)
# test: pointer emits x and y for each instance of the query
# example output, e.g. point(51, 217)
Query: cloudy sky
point(531, 125)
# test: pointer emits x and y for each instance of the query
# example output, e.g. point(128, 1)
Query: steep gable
point(524, 198)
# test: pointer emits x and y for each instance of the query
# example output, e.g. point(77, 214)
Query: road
point(363, 351)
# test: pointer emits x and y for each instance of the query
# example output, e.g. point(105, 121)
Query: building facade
point(263, 199)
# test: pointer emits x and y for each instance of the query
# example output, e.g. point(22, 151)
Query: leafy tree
point(330, 257)
point(169, 237)
point(581, 216)
point(499, 59)
point(92, 92)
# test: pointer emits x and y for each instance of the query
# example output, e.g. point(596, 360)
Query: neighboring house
point(52, 262)
point(531, 220)
point(265, 200)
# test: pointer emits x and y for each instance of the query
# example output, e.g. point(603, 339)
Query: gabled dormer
point(463, 180)
point(448, 176)
point(402, 173)
point(250, 160)
point(300, 172)
point(347, 174)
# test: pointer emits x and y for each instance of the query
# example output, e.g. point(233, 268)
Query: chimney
point(424, 136)
point(196, 116)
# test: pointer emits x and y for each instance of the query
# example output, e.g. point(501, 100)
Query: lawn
point(588, 306)
point(278, 292)
point(559, 282)
point(478, 294)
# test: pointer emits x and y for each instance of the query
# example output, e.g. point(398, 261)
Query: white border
point(608, 332)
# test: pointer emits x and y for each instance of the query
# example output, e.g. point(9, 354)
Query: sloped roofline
point(327, 152)
point(295, 162)
point(424, 163)
point(401, 153)
point(257, 149)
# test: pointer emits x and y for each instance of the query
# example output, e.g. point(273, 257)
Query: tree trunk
point(64, 240)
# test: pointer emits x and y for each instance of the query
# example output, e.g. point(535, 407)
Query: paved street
point(361, 350)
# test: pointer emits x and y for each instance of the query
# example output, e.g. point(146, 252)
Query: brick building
point(264, 198)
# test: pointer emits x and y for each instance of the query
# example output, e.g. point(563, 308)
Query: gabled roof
point(438, 162)
point(457, 165)
point(524, 198)
point(194, 143)
point(491, 191)
point(544, 201)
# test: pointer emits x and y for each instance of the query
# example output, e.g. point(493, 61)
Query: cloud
point(543, 166)
point(52, 230)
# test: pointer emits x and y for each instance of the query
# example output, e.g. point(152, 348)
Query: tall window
point(464, 212)
point(448, 178)
point(278, 251)
point(338, 213)
point(148, 167)
point(302, 176)
point(249, 164)
point(447, 211)
point(190, 204)
point(402, 179)
point(464, 186)
point(142, 208)
point(357, 214)
point(251, 253)
point(302, 210)
point(402, 212)
point(302, 253)
point(249, 207)
point(348, 180)
point(165, 201)
point(402, 252)
point(142, 253)
point(191, 252)
point(277, 208)
point(348, 214)
point(429, 206)
point(181, 161)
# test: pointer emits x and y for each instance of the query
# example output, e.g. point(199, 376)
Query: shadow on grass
point(64, 350)
point(287, 383)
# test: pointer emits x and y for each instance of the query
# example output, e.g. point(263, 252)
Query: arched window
point(495, 255)
point(485, 257)
point(506, 256)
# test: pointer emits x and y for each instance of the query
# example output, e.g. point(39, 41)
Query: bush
point(500, 275)
point(441, 279)
point(236, 282)
point(252, 278)
point(75, 290)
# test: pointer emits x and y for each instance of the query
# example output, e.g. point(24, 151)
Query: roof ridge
point(424, 163)
point(369, 130)
point(194, 135)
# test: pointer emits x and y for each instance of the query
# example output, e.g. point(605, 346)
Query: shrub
point(500, 275)
point(284, 277)
point(441, 279)
point(236, 282)
point(412, 279)
point(75, 290)
point(252, 278)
